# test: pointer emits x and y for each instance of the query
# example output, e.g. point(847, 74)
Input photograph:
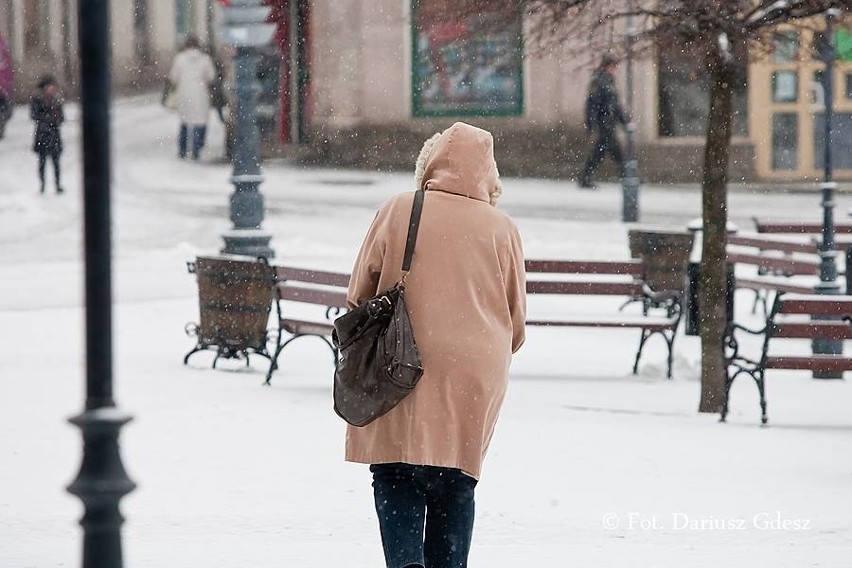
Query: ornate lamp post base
point(100, 485)
point(248, 242)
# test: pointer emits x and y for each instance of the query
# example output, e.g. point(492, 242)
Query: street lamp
point(828, 265)
point(630, 181)
point(101, 481)
point(245, 28)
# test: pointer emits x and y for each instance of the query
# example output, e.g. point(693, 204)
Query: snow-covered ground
point(590, 467)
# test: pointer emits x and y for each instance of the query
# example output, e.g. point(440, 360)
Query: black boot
point(586, 183)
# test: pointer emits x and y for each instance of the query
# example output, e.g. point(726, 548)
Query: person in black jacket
point(604, 114)
point(46, 112)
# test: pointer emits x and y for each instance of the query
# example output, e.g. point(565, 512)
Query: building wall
point(362, 103)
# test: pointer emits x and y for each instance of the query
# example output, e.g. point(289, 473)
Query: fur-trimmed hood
point(460, 160)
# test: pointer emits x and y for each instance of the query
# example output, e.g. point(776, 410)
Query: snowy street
point(590, 466)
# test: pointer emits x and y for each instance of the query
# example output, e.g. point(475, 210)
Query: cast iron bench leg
point(670, 344)
point(195, 350)
point(761, 388)
point(642, 341)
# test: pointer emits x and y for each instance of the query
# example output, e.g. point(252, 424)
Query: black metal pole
point(828, 264)
point(101, 481)
point(630, 180)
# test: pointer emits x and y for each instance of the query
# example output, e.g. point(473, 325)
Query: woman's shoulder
point(400, 201)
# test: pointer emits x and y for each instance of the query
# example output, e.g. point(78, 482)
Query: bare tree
point(722, 35)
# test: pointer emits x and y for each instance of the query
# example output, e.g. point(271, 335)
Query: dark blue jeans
point(199, 133)
point(425, 514)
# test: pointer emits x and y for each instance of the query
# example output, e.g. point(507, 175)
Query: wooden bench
point(791, 317)
point(328, 289)
point(318, 288)
point(775, 262)
point(583, 278)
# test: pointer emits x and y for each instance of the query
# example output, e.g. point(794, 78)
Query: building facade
point(386, 73)
point(42, 37)
point(362, 82)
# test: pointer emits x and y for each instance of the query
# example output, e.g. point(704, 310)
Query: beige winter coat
point(466, 298)
point(192, 73)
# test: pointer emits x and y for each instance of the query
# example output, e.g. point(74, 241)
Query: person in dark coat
point(604, 114)
point(46, 112)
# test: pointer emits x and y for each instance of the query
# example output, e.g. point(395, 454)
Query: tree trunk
point(713, 283)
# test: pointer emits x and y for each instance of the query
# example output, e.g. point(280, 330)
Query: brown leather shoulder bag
point(379, 364)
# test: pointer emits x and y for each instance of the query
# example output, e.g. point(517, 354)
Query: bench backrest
point(632, 268)
point(839, 307)
point(766, 244)
point(784, 264)
point(798, 228)
point(311, 286)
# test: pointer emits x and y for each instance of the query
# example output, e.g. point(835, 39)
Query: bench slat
point(626, 267)
point(312, 276)
point(798, 266)
point(813, 330)
point(825, 363)
point(767, 284)
point(588, 288)
point(650, 323)
point(816, 305)
point(763, 243)
point(303, 327)
point(799, 228)
point(311, 295)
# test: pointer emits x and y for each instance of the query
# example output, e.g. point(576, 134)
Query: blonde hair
point(423, 157)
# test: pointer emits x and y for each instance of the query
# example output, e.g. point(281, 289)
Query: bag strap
point(413, 225)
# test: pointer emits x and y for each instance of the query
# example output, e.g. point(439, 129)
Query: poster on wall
point(468, 67)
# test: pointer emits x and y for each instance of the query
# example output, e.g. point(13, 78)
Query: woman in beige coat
point(466, 298)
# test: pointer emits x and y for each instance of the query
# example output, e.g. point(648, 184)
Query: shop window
point(841, 141)
point(683, 94)
point(849, 85)
point(184, 19)
point(785, 87)
point(785, 141)
point(469, 67)
point(785, 47)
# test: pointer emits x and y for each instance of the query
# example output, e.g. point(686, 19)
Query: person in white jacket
point(191, 75)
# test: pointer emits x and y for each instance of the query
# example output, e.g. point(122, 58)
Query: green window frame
point(480, 72)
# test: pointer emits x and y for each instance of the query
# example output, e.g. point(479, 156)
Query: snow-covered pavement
point(590, 467)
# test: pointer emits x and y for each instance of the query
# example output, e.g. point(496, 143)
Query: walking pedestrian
point(192, 74)
point(467, 301)
point(604, 114)
point(48, 116)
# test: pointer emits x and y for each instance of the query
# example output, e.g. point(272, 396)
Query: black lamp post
point(828, 264)
point(630, 181)
point(102, 481)
point(245, 28)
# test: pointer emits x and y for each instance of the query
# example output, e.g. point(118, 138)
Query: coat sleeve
point(516, 290)
point(364, 281)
